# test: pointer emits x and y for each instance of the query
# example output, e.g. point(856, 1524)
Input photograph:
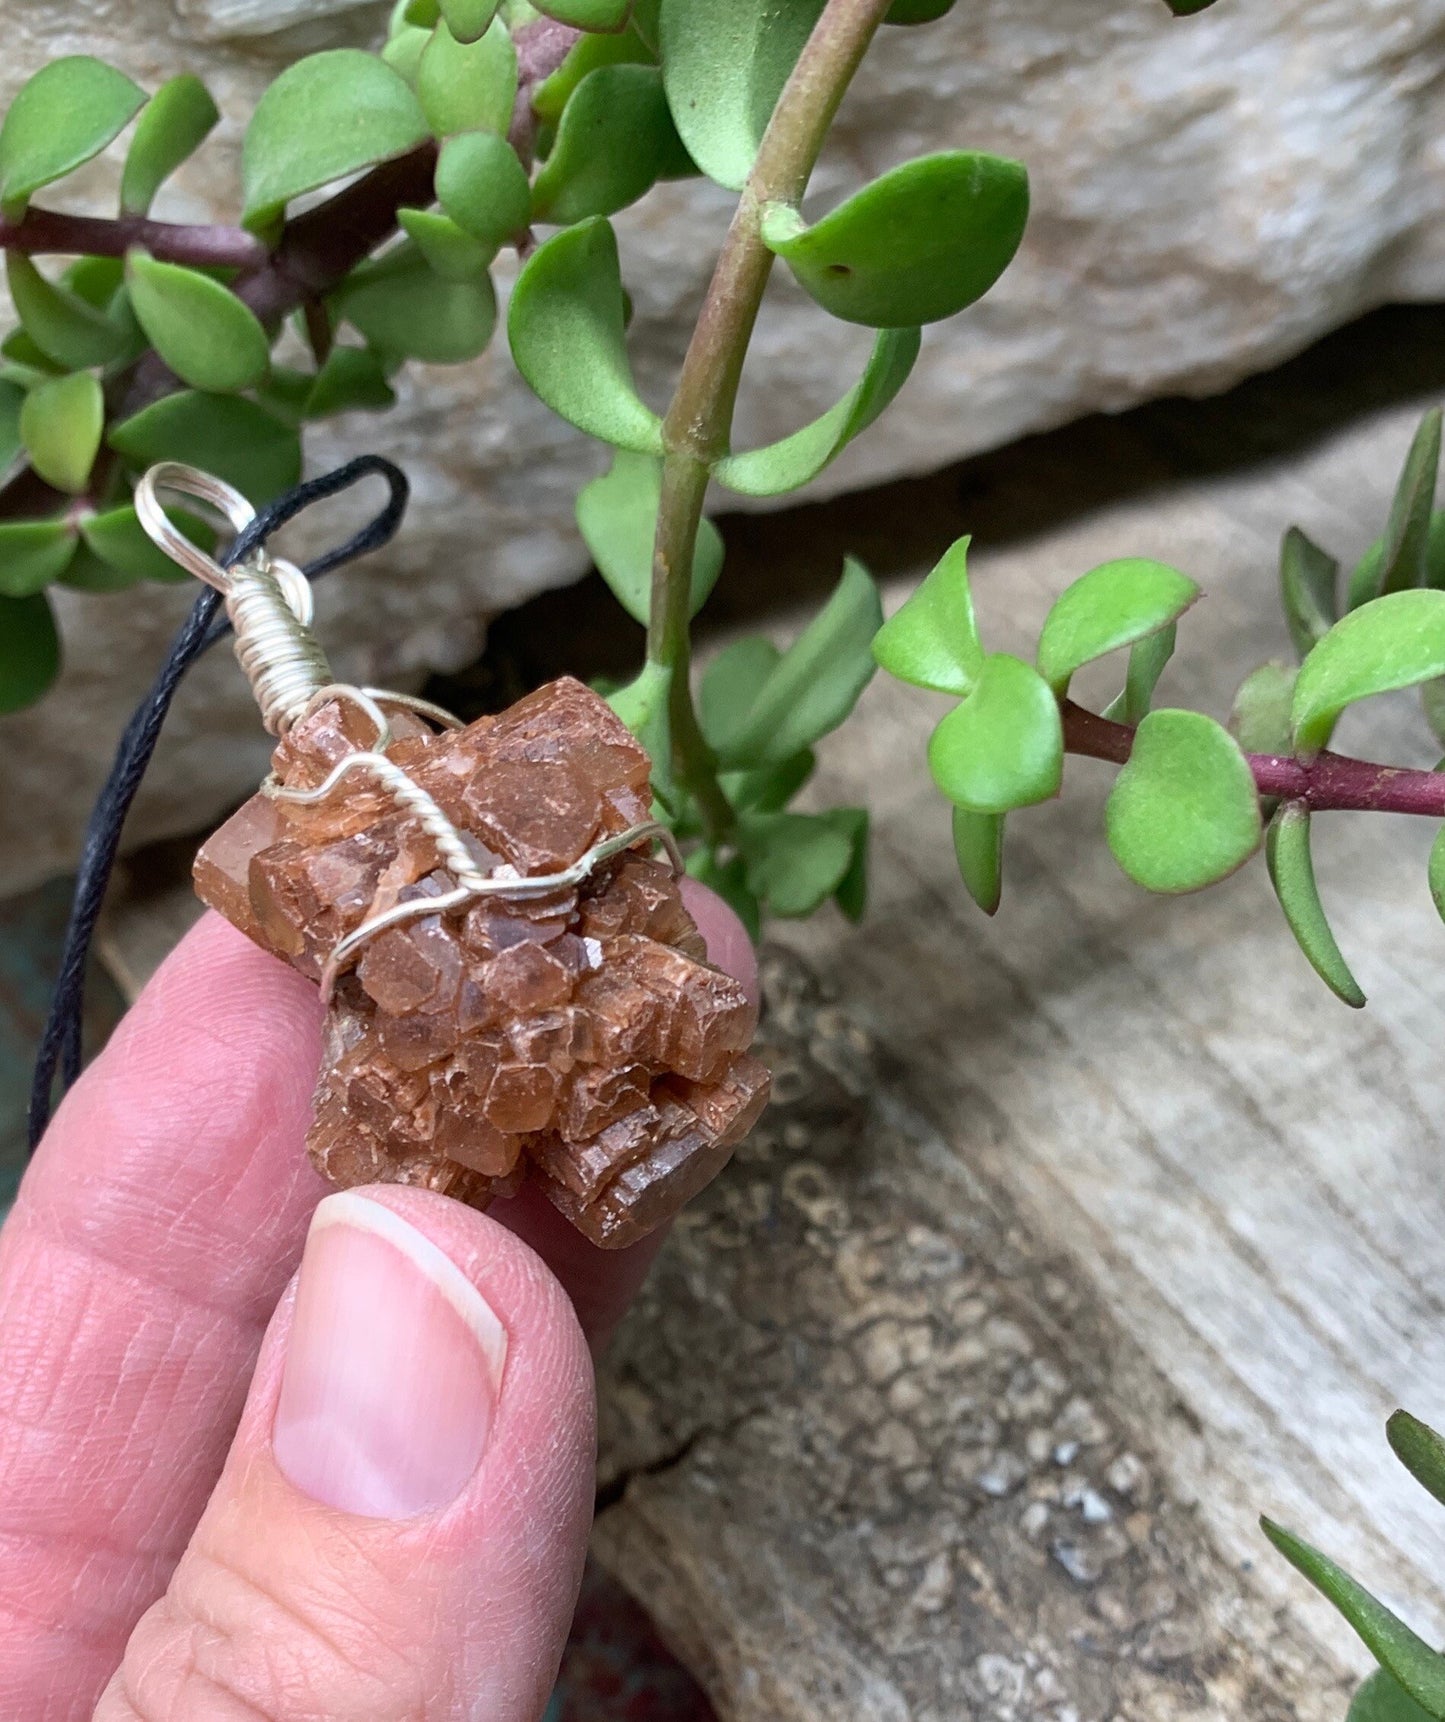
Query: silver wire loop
point(268, 601)
point(269, 605)
point(184, 480)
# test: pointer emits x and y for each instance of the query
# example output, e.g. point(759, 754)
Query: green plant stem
point(1329, 783)
point(699, 420)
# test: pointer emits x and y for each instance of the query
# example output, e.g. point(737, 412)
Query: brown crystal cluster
point(578, 1038)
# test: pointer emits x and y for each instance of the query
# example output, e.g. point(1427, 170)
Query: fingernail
point(392, 1370)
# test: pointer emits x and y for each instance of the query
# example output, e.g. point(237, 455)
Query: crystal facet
point(578, 1038)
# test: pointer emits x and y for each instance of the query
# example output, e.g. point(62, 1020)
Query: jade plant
point(378, 189)
point(1194, 798)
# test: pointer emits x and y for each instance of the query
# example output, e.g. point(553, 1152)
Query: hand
point(398, 1528)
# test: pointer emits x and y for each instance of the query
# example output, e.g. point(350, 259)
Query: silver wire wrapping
point(268, 602)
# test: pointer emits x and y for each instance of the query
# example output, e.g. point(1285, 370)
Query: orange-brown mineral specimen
point(579, 1039)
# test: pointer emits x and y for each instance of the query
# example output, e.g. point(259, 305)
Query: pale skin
point(191, 1527)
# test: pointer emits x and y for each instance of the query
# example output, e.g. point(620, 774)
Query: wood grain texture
point(1245, 1174)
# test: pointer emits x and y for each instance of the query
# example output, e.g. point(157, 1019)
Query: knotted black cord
point(60, 1046)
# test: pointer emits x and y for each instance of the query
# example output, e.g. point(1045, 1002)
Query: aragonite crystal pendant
point(579, 1039)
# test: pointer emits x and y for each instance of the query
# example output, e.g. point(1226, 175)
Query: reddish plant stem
point(315, 253)
point(49, 232)
point(1329, 783)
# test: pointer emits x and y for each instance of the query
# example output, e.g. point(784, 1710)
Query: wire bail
point(268, 601)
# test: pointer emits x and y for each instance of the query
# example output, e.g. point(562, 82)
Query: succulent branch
point(698, 424)
point(1328, 783)
point(51, 232)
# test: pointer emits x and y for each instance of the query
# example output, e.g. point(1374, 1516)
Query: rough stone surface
point(1208, 195)
point(577, 1038)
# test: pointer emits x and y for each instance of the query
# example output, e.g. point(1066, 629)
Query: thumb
point(399, 1529)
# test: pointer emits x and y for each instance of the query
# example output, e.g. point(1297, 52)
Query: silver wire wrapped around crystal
point(268, 602)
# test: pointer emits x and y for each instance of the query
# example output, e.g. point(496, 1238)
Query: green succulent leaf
point(796, 861)
point(813, 685)
point(1419, 1669)
point(468, 86)
point(1383, 1699)
point(851, 895)
point(1367, 573)
point(615, 139)
point(325, 117)
point(916, 11)
point(1187, 8)
point(352, 377)
point(224, 434)
point(29, 650)
point(285, 391)
point(1309, 580)
point(567, 325)
point(729, 879)
point(978, 846)
point(32, 554)
point(468, 20)
point(12, 398)
point(95, 279)
point(1003, 746)
point(1420, 1449)
point(730, 684)
point(1437, 873)
point(1292, 873)
point(61, 118)
point(771, 787)
point(782, 466)
point(60, 425)
point(1183, 812)
point(1260, 720)
point(724, 65)
point(85, 572)
point(482, 186)
point(117, 539)
point(405, 310)
point(450, 251)
point(1432, 702)
point(587, 14)
point(200, 328)
point(643, 707)
point(917, 245)
point(66, 329)
point(1396, 641)
point(617, 515)
point(1147, 661)
point(627, 47)
point(932, 640)
point(1402, 558)
point(1109, 607)
point(20, 349)
point(403, 53)
point(173, 124)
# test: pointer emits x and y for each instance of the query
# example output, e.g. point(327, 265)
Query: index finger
point(149, 1242)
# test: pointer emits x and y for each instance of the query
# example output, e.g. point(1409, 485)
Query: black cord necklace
point(60, 1044)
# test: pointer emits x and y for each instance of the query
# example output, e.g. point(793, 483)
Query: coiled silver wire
point(267, 600)
point(276, 649)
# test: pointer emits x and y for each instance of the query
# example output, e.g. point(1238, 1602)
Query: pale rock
point(1209, 195)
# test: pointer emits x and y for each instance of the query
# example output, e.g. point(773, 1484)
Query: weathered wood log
point(1077, 1238)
